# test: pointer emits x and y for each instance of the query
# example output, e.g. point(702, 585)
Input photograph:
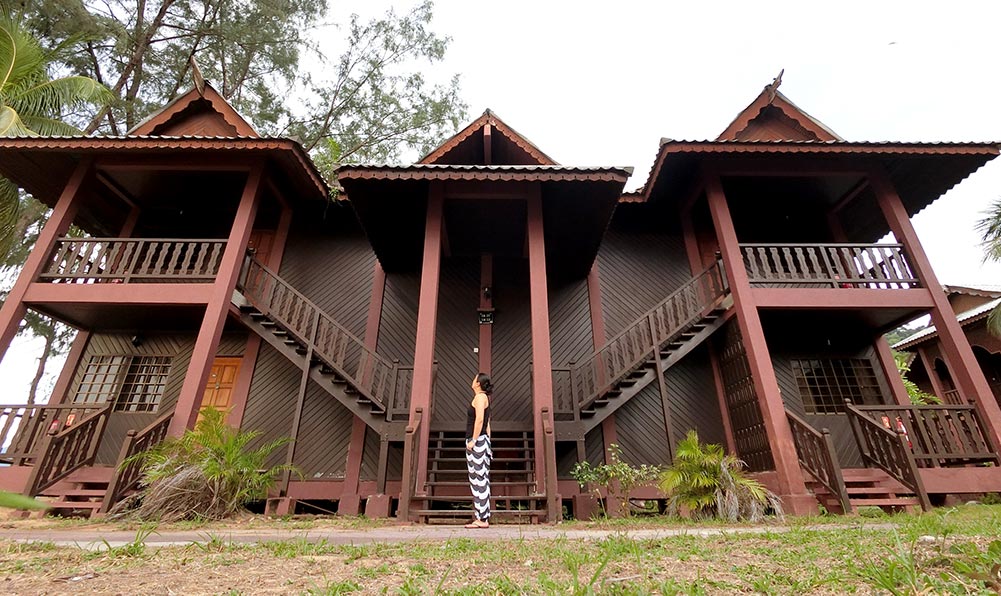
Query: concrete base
point(279, 506)
point(586, 507)
point(349, 505)
point(378, 506)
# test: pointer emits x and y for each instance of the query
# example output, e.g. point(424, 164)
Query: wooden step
point(492, 483)
point(92, 505)
point(890, 502)
point(267, 323)
point(257, 316)
point(76, 492)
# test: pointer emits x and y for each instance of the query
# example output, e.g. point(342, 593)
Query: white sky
point(599, 83)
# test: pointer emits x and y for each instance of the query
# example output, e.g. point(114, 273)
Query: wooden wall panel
point(324, 434)
point(271, 404)
point(639, 426)
point(178, 346)
point(331, 263)
point(512, 342)
point(398, 326)
point(370, 458)
point(641, 263)
point(742, 401)
point(569, 322)
point(458, 333)
point(692, 397)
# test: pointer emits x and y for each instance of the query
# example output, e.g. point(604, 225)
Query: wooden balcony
point(838, 275)
point(109, 283)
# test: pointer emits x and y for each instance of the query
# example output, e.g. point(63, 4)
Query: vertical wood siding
point(512, 339)
point(455, 337)
point(271, 403)
point(324, 434)
point(178, 346)
point(640, 429)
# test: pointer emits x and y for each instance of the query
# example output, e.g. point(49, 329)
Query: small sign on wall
point(486, 316)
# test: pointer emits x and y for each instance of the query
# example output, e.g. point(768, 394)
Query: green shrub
point(209, 473)
point(712, 485)
point(617, 477)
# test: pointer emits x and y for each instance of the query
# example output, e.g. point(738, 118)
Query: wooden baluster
point(819, 271)
point(175, 249)
point(200, 261)
point(804, 268)
point(752, 263)
point(149, 248)
point(163, 249)
point(768, 270)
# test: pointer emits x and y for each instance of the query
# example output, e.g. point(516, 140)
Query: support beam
point(791, 486)
point(427, 321)
point(542, 366)
point(963, 365)
point(14, 309)
point(486, 304)
point(936, 382)
point(207, 343)
point(598, 339)
point(60, 392)
point(892, 373)
point(300, 404)
point(696, 265)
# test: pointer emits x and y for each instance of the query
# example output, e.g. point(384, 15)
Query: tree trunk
point(42, 361)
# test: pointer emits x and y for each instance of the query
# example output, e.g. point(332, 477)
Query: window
point(825, 384)
point(135, 383)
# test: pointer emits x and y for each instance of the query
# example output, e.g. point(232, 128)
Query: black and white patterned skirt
point(478, 465)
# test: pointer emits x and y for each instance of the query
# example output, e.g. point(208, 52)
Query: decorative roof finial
point(196, 75)
point(773, 87)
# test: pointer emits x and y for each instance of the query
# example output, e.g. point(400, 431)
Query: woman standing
point(478, 453)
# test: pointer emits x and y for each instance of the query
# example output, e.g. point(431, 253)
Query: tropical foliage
point(989, 228)
point(616, 476)
point(917, 396)
point(710, 484)
point(210, 472)
point(16, 501)
point(32, 103)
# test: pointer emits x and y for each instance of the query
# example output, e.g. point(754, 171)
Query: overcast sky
point(599, 83)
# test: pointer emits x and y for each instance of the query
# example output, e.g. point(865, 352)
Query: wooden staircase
point(514, 498)
point(361, 380)
point(629, 362)
point(79, 494)
point(867, 487)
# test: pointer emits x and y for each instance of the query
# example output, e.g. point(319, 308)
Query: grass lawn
point(946, 551)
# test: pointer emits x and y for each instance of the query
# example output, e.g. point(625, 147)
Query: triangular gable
point(201, 112)
point(772, 117)
point(488, 141)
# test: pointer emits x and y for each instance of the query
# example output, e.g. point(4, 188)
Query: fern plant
point(210, 472)
point(712, 485)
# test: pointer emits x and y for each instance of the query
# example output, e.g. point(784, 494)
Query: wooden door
point(261, 243)
point(219, 389)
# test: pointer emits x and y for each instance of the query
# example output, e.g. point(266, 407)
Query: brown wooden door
point(261, 243)
point(219, 389)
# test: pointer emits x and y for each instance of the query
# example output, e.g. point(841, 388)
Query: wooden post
point(890, 371)
point(244, 378)
point(542, 366)
point(598, 339)
point(963, 365)
point(486, 303)
point(791, 486)
point(427, 321)
point(14, 309)
point(300, 404)
point(186, 411)
point(696, 265)
point(933, 378)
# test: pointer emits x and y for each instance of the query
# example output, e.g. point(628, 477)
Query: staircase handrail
point(127, 474)
point(593, 376)
point(408, 487)
point(817, 454)
point(374, 375)
point(63, 452)
point(887, 449)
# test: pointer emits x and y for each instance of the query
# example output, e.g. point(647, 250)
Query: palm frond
point(989, 228)
point(49, 127)
point(11, 124)
point(21, 56)
point(994, 321)
point(51, 96)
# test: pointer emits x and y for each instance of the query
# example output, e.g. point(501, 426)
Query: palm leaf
point(50, 97)
point(22, 59)
point(994, 321)
point(11, 124)
point(16, 501)
point(50, 127)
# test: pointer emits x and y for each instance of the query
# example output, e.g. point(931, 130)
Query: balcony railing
point(873, 266)
point(134, 260)
point(23, 426)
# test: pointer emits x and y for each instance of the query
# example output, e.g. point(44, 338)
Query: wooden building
point(741, 292)
point(929, 371)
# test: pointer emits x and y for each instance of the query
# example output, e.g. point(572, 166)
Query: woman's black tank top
point(471, 421)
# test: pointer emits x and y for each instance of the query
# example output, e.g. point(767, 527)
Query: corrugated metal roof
point(965, 317)
point(481, 172)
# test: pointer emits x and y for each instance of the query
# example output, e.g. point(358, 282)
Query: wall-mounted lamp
point(487, 293)
point(137, 340)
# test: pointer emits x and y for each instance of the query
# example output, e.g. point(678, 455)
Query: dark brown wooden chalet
point(741, 292)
